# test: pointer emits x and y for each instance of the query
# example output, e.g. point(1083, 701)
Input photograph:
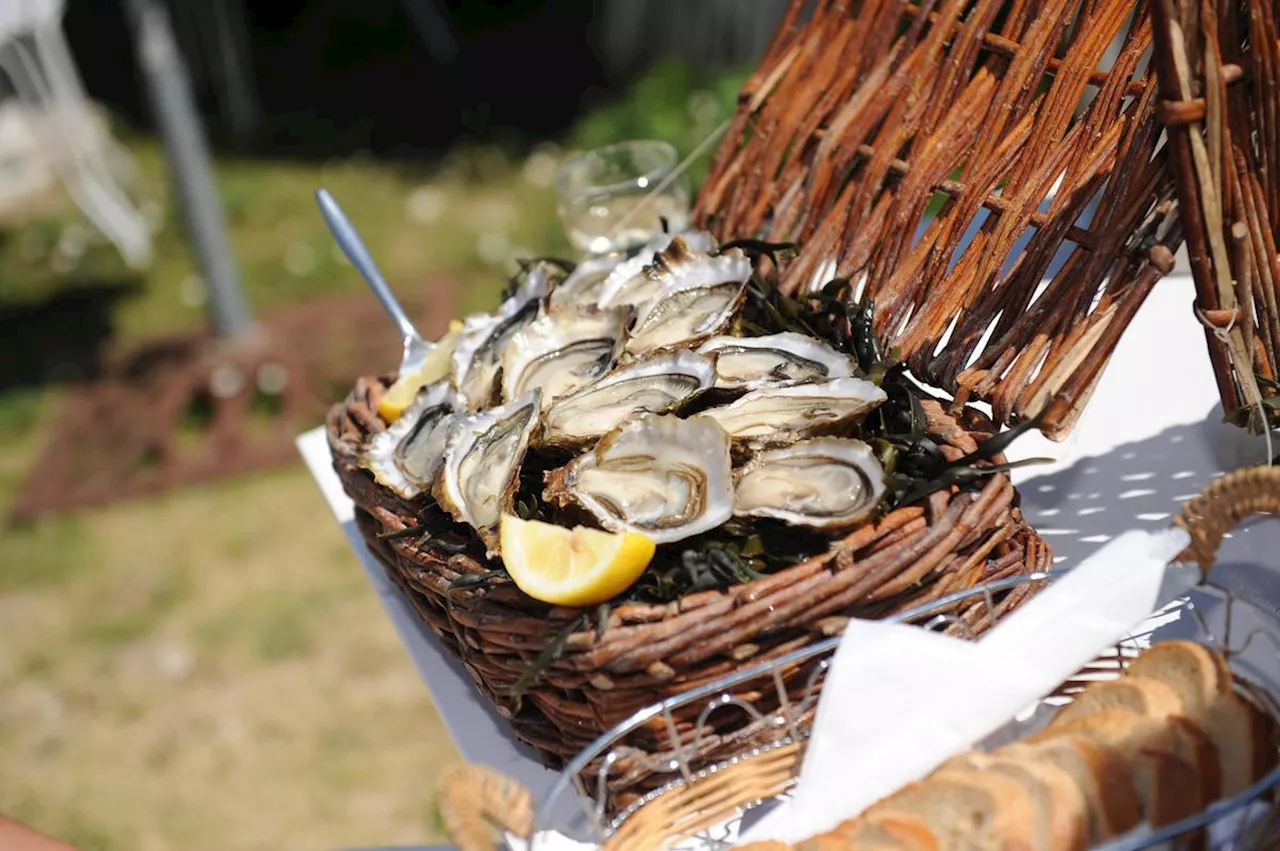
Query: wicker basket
point(703, 802)
point(844, 135)
point(847, 140)
point(1219, 70)
point(960, 538)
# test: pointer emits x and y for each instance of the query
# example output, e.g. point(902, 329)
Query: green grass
point(208, 669)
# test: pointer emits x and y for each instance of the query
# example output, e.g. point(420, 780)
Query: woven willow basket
point(960, 538)
point(706, 803)
point(1040, 148)
point(1219, 71)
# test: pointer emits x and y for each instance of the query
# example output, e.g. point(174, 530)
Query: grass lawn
point(209, 669)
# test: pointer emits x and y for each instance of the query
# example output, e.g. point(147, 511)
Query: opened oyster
point(778, 360)
point(563, 350)
point(637, 279)
point(777, 415)
point(826, 483)
point(482, 464)
point(658, 475)
point(697, 298)
point(484, 337)
point(406, 456)
point(582, 287)
point(655, 385)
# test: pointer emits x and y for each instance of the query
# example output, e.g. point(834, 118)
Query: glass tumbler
point(607, 198)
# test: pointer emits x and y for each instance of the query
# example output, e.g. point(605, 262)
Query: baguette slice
point(1192, 743)
point(970, 810)
point(887, 831)
point(1099, 771)
point(1197, 674)
point(1142, 695)
point(1241, 733)
point(1061, 811)
point(1167, 786)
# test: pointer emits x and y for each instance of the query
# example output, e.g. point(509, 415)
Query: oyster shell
point(826, 483)
point(406, 456)
point(658, 475)
point(562, 350)
point(637, 279)
point(698, 297)
point(654, 384)
point(778, 360)
point(421, 453)
point(478, 480)
point(775, 415)
point(484, 336)
point(582, 287)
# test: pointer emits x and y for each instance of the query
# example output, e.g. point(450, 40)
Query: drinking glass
point(607, 198)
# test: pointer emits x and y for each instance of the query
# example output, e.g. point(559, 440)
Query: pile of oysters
point(663, 416)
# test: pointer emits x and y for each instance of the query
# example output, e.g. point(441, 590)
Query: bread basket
point(705, 800)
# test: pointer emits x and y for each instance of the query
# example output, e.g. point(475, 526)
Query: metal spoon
point(416, 349)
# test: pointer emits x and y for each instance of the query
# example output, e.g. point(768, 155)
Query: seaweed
point(553, 651)
point(743, 550)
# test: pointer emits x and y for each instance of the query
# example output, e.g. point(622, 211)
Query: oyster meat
point(697, 299)
point(826, 483)
point(481, 469)
point(637, 279)
point(562, 350)
point(484, 337)
point(658, 475)
point(776, 415)
point(654, 384)
point(777, 360)
point(406, 456)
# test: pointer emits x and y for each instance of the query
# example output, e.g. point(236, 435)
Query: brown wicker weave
point(1219, 69)
point(845, 136)
point(855, 120)
point(717, 796)
point(960, 538)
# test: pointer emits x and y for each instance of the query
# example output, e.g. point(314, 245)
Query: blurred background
point(190, 655)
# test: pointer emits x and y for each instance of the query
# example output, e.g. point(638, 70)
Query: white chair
point(73, 144)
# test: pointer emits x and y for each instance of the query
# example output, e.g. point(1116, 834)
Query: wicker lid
point(947, 157)
point(1220, 84)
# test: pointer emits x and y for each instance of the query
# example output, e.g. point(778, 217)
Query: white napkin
point(899, 700)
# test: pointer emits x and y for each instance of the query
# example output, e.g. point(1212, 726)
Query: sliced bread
point(1061, 810)
point(1239, 730)
point(968, 810)
point(1147, 697)
point(1197, 674)
point(1194, 745)
point(1167, 786)
point(887, 831)
point(1099, 771)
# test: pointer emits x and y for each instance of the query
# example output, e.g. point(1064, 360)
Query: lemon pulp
point(571, 567)
point(435, 368)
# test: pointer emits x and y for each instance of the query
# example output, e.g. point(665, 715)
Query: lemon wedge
point(436, 367)
point(571, 567)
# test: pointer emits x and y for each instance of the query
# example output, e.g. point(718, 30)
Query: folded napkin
point(900, 700)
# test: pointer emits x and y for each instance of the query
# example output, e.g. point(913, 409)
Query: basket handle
point(477, 803)
point(1223, 505)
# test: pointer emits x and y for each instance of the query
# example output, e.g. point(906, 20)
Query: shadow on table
point(1143, 485)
